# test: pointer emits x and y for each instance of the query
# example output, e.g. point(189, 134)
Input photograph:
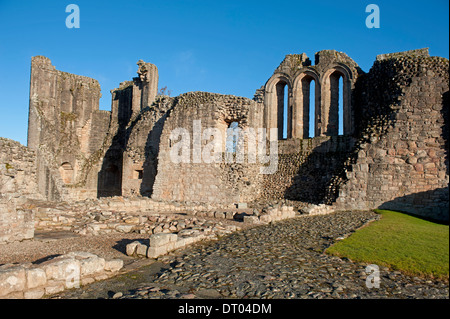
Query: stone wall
point(66, 129)
point(196, 180)
point(401, 158)
point(392, 153)
point(17, 184)
point(33, 281)
point(306, 167)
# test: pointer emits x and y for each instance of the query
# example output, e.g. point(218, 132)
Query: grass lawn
point(400, 242)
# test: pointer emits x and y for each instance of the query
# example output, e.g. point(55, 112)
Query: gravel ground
point(281, 260)
point(45, 245)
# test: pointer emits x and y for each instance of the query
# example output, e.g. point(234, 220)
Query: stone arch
point(329, 110)
point(274, 103)
point(67, 173)
point(301, 103)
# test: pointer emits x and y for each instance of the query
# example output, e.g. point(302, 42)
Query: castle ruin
point(386, 146)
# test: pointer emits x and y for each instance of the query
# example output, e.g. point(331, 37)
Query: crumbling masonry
point(385, 146)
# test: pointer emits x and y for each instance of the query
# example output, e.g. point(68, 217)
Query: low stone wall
point(31, 281)
point(271, 214)
point(163, 243)
point(98, 222)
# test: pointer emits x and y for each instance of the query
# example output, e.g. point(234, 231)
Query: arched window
point(312, 109)
point(283, 114)
point(306, 105)
point(66, 171)
point(278, 105)
point(336, 112)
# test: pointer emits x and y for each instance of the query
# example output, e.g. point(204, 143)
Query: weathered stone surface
point(61, 268)
point(92, 265)
point(114, 265)
point(141, 250)
point(35, 278)
point(12, 280)
point(32, 281)
point(390, 153)
point(131, 248)
point(157, 240)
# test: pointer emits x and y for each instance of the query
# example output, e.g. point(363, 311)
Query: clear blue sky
point(229, 47)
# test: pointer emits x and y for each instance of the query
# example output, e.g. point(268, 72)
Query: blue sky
point(229, 47)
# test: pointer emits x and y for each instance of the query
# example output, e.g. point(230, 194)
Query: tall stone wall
point(401, 158)
point(66, 129)
point(133, 104)
point(196, 180)
point(140, 157)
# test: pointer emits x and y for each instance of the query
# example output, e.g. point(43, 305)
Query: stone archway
point(329, 110)
point(275, 109)
point(302, 104)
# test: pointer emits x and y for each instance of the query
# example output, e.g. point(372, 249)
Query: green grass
point(400, 242)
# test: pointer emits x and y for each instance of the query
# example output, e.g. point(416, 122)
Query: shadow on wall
point(445, 127)
point(433, 203)
point(110, 177)
point(150, 166)
point(315, 174)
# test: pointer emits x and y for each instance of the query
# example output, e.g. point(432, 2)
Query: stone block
point(87, 280)
point(251, 219)
point(171, 245)
point(180, 243)
point(12, 280)
point(141, 250)
point(61, 269)
point(162, 239)
point(229, 215)
point(101, 276)
point(114, 265)
point(36, 277)
point(242, 206)
point(131, 248)
point(91, 265)
point(54, 289)
point(34, 293)
point(189, 240)
point(265, 218)
point(155, 252)
point(219, 215)
point(124, 228)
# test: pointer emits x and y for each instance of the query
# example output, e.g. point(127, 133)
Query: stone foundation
point(31, 281)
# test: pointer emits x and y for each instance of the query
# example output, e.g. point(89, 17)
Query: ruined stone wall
point(197, 180)
point(140, 158)
point(401, 158)
point(392, 154)
point(305, 168)
point(17, 183)
point(134, 112)
point(66, 129)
